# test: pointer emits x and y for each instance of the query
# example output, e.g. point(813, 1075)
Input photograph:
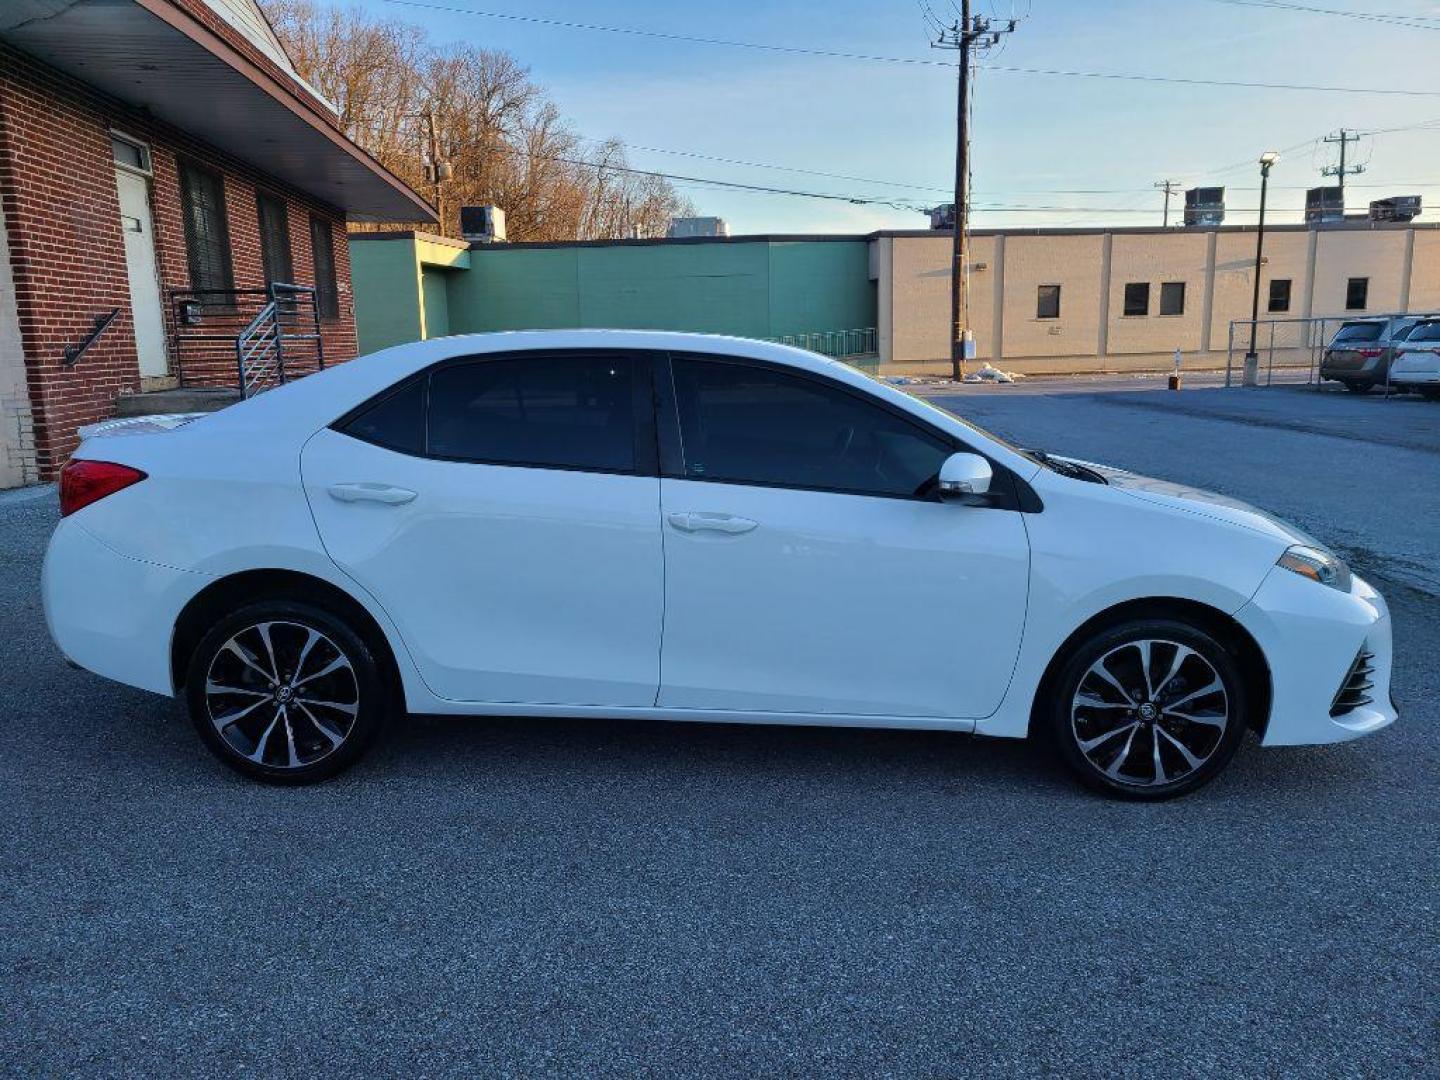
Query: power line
point(914, 61)
point(1392, 18)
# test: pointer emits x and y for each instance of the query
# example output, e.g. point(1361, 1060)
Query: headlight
point(1318, 566)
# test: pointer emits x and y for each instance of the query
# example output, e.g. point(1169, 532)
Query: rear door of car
point(504, 509)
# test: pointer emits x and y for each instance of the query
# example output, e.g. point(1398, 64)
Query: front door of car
point(505, 513)
point(808, 567)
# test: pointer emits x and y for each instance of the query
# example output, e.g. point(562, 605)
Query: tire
point(1429, 393)
point(1111, 745)
point(314, 721)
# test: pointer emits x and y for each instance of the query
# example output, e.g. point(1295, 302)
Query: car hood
point(1208, 504)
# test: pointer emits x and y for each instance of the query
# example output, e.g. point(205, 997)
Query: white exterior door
point(781, 596)
point(515, 541)
point(145, 309)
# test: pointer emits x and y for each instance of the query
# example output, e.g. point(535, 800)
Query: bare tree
point(504, 139)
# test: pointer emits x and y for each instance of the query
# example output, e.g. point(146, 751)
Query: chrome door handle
point(692, 521)
point(380, 493)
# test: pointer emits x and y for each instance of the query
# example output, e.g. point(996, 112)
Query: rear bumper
point(1417, 377)
point(112, 614)
point(1311, 635)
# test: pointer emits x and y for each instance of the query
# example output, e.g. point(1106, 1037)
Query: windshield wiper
point(1064, 467)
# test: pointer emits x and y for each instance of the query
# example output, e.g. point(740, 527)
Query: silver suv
point(1360, 353)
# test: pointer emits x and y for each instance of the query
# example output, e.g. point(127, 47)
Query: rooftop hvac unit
point(682, 227)
point(1324, 205)
point(1205, 206)
point(1395, 208)
point(482, 224)
point(943, 216)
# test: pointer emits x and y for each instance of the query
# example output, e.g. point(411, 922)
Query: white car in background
point(1417, 361)
point(655, 525)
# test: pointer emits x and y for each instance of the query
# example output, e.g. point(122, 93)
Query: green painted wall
point(760, 289)
point(385, 281)
point(433, 289)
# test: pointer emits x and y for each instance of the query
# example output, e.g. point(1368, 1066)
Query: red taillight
point(1369, 354)
point(85, 482)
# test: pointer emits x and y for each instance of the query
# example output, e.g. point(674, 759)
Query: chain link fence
point(1293, 346)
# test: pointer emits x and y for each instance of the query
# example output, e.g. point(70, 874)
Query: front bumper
point(110, 613)
point(1310, 635)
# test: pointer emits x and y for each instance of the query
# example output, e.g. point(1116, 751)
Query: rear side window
point(752, 425)
point(1426, 331)
point(396, 421)
point(1354, 332)
point(573, 412)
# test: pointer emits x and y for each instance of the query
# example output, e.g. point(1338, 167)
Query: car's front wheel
point(1148, 709)
point(285, 691)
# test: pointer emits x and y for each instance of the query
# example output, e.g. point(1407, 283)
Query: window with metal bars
point(274, 239)
point(327, 292)
point(207, 231)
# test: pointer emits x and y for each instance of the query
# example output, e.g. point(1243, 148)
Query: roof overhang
point(154, 55)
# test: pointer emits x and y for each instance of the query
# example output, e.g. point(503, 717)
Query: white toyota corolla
point(633, 524)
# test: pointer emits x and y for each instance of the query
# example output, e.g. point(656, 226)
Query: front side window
point(322, 249)
point(207, 230)
point(274, 239)
point(1137, 298)
point(570, 412)
point(1172, 298)
point(1047, 302)
point(749, 424)
point(1279, 295)
point(1357, 294)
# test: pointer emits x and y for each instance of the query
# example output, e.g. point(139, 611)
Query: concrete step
point(189, 399)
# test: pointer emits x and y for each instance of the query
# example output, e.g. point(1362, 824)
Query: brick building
point(164, 175)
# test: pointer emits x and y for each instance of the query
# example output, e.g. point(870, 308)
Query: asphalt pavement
point(588, 898)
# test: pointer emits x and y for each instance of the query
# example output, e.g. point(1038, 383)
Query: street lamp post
point(1251, 376)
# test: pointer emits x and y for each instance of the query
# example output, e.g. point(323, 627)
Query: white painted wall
point(17, 432)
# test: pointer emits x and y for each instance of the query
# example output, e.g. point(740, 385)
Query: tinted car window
point(572, 412)
point(1368, 331)
point(748, 424)
point(396, 421)
point(1429, 331)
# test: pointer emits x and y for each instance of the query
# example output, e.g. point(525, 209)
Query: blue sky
point(1039, 141)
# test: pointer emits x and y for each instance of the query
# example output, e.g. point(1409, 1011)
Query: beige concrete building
point(1067, 300)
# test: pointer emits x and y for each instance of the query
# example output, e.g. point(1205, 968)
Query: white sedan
point(654, 525)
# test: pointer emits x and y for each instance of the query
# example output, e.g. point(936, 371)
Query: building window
point(130, 153)
point(207, 233)
point(1357, 294)
point(322, 246)
point(1047, 302)
point(1172, 298)
point(274, 239)
point(1137, 298)
point(1279, 295)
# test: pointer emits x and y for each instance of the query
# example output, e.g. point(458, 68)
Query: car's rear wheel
point(1429, 393)
point(1148, 709)
point(285, 691)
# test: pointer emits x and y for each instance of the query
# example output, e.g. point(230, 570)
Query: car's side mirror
point(965, 478)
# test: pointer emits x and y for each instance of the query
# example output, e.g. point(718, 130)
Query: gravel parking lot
point(507, 897)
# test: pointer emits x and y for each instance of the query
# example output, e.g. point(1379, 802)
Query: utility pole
point(970, 35)
point(435, 170)
point(1170, 187)
point(1344, 137)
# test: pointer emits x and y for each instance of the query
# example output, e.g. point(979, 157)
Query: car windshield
point(1425, 331)
point(1358, 331)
